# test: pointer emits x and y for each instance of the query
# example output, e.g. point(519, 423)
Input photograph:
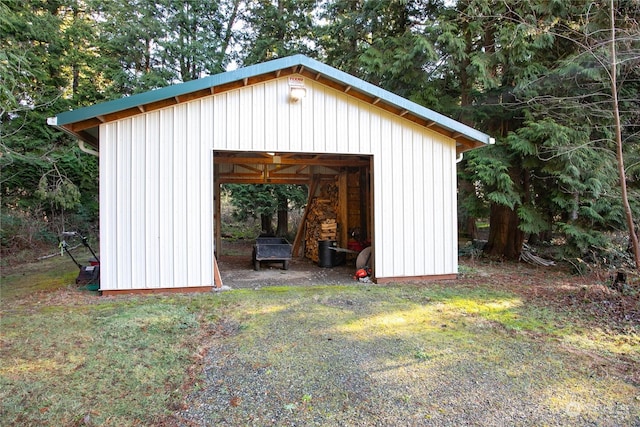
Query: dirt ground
point(236, 270)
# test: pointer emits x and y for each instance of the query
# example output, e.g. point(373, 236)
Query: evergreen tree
point(45, 68)
point(263, 200)
point(553, 167)
point(146, 44)
point(277, 28)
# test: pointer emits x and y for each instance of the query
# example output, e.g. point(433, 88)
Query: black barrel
point(326, 256)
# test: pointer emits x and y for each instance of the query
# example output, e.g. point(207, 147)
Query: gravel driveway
point(368, 356)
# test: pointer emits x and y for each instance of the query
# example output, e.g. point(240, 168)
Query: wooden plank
point(217, 213)
point(423, 278)
point(157, 290)
point(217, 279)
point(283, 160)
point(343, 208)
point(298, 240)
point(85, 124)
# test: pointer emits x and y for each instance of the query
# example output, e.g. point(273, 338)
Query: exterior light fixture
point(297, 91)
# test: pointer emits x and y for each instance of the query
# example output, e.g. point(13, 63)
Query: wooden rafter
point(317, 161)
point(251, 168)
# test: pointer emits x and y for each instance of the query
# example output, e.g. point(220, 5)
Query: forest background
point(555, 82)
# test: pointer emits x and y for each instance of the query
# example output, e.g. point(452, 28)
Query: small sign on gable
point(296, 81)
point(296, 88)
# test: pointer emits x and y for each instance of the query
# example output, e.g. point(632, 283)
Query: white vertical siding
point(341, 124)
point(428, 205)
point(257, 117)
point(418, 165)
point(270, 117)
point(232, 105)
point(156, 200)
point(219, 117)
point(244, 115)
point(108, 208)
point(409, 216)
point(295, 125)
point(152, 200)
point(317, 115)
point(193, 193)
point(178, 193)
point(206, 192)
point(330, 125)
point(156, 192)
point(307, 121)
point(450, 221)
point(166, 232)
point(138, 195)
point(124, 217)
point(397, 199)
point(364, 130)
point(438, 201)
point(383, 209)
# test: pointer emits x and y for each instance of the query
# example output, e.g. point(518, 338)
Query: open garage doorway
point(336, 211)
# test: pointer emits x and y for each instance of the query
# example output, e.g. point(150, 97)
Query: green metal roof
point(65, 120)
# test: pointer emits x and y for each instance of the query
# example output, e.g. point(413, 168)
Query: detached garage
point(164, 154)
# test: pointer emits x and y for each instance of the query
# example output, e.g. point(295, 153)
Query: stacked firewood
point(328, 229)
point(321, 220)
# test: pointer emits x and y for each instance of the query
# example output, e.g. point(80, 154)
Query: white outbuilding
point(164, 153)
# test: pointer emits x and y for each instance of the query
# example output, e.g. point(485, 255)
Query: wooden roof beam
point(295, 176)
point(279, 168)
point(251, 168)
point(467, 143)
point(156, 105)
point(240, 175)
point(302, 180)
point(85, 124)
point(291, 161)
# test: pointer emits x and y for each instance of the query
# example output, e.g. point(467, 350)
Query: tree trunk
point(505, 238)
point(283, 216)
point(471, 228)
point(633, 237)
point(267, 226)
point(283, 222)
point(466, 221)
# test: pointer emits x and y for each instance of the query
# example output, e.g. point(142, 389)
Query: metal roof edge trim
point(179, 89)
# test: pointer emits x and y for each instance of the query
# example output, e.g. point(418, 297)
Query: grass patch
point(46, 275)
point(321, 355)
point(114, 363)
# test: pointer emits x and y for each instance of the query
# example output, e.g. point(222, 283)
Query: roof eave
point(80, 122)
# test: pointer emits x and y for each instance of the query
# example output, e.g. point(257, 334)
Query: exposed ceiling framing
point(280, 168)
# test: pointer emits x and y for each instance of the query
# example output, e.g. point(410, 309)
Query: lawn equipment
point(89, 275)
